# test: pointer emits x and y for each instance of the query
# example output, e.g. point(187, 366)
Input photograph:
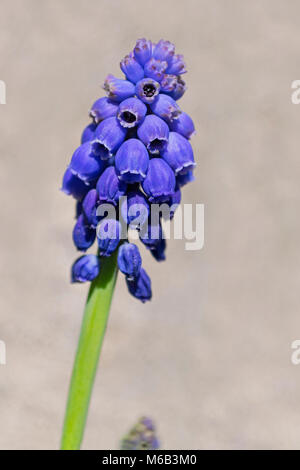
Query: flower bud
point(164, 50)
point(88, 133)
point(183, 125)
point(83, 235)
point(109, 135)
point(174, 202)
point(85, 268)
point(151, 235)
point(118, 89)
point(168, 83)
point(166, 108)
point(132, 69)
point(131, 112)
point(154, 133)
point(132, 161)
point(108, 236)
point(158, 252)
point(85, 163)
point(179, 153)
point(74, 186)
point(176, 65)
point(140, 287)
point(129, 260)
point(135, 209)
point(179, 89)
point(89, 207)
point(103, 108)
point(143, 51)
point(109, 187)
point(78, 209)
point(185, 178)
point(159, 183)
point(155, 69)
point(147, 90)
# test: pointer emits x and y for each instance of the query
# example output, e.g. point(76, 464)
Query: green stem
point(90, 342)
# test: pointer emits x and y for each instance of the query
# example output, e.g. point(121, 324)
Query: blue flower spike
point(136, 152)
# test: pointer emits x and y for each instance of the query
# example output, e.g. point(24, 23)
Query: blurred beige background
point(209, 357)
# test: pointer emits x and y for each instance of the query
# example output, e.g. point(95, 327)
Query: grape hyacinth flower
point(129, 260)
point(132, 161)
point(134, 154)
point(108, 137)
point(109, 187)
point(166, 108)
point(86, 268)
point(131, 112)
point(183, 125)
point(154, 133)
point(103, 108)
point(141, 437)
point(147, 90)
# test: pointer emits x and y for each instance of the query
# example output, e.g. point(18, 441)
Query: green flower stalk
point(88, 351)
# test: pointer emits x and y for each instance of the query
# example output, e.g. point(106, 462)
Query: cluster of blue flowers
point(141, 437)
point(137, 146)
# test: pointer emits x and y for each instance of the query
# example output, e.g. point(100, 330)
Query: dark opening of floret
point(128, 117)
point(100, 150)
point(149, 90)
point(157, 145)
